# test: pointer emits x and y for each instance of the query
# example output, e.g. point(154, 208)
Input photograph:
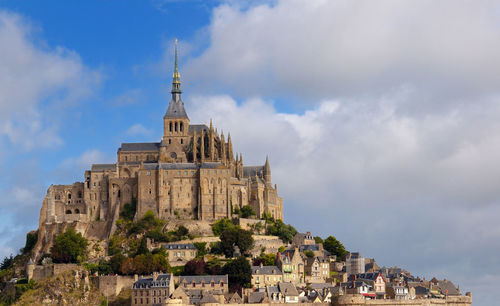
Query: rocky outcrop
point(69, 288)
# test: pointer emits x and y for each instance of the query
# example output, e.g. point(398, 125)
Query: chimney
point(155, 276)
point(261, 264)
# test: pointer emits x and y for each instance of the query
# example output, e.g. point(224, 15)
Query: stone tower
point(175, 123)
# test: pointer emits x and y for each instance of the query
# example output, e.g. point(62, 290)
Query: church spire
point(176, 79)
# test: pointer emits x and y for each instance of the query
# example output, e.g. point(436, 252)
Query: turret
point(267, 172)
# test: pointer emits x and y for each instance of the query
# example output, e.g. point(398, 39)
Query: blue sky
point(380, 118)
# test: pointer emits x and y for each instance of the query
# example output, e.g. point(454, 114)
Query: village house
point(303, 239)
point(317, 269)
point(290, 262)
point(376, 280)
point(180, 253)
point(152, 290)
point(216, 284)
point(263, 276)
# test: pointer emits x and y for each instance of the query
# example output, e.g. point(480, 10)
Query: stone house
point(316, 249)
point(216, 284)
point(376, 280)
point(152, 290)
point(263, 276)
point(303, 239)
point(359, 287)
point(291, 263)
point(180, 253)
point(355, 264)
point(317, 269)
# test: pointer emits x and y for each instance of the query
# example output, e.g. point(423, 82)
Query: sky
point(381, 119)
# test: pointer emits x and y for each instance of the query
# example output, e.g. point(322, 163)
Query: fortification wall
point(356, 300)
point(112, 285)
point(41, 272)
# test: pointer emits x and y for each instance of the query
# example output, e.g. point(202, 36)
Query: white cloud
point(345, 48)
point(373, 176)
point(72, 169)
point(33, 78)
point(138, 130)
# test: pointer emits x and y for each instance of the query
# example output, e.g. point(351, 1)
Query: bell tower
point(175, 123)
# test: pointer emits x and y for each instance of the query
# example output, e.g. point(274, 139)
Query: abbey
point(192, 173)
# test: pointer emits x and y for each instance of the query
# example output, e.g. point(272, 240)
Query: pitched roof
point(207, 279)
point(258, 270)
point(309, 247)
point(207, 297)
point(253, 170)
point(140, 146)
point(179, 246)
point(256, 297)
point(288, 289)
point(235, 299)
point(448, 287)
point(162, 281)
point(198, 128)
point(176, 109)
point(103, 167)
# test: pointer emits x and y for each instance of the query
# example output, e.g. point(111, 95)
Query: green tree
point(201, 249)
point(282, 230)
point(332, 245)
point(265, 259)
point(219, 226)
point(116, 262)
point(235, 236)
point(246, 211)
point(129, 210)
point(309, 254)
point(69, 246)
point(239, 273)
point(143, 247)
point(318, 240)
point(31, 239)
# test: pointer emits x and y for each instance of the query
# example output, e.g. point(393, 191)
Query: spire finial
point(176, 82)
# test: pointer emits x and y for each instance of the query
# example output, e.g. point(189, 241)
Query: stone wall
point(41, 272)
point(357, 300)
point(112, 285)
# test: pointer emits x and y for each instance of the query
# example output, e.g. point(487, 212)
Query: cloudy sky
point(381, 119)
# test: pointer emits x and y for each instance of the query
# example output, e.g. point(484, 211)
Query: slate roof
point(256, 297)
point(198, 128)
point(211, 165)
point(368, 276)
point(207, 279)
point(162, 281)
point(288, 289)
point(445, 285)
point(258, 270)
point(103, 167)
point(252, 170)
point(235, 299)
point(140, 146)
point(207, 297)
point(176, 109)
point(321, 286)
point(180, 246)
point(309, 247)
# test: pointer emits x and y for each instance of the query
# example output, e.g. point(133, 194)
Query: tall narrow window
point(176, 126)
point(182, 127)
point(170, 126)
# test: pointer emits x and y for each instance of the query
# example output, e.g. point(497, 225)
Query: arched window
point(182, 127)
point(182, 140)
point(119, 193)
point(176, 126)
point(79, 194)
point(69, 196)
point(170, 125)
point(68, 212)
point(77, 211)
point(170, 141)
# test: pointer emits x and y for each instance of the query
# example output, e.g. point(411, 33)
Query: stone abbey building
point(192, 173)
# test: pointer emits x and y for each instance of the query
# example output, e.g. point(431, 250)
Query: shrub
point(195, 267)
point(201, 248)
point(31, 239)
point(222, 224)
point(246, 211)
point(239, 273)
point(309, 254)
point(69, 246)
point(332, 245)
point(235, 236)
